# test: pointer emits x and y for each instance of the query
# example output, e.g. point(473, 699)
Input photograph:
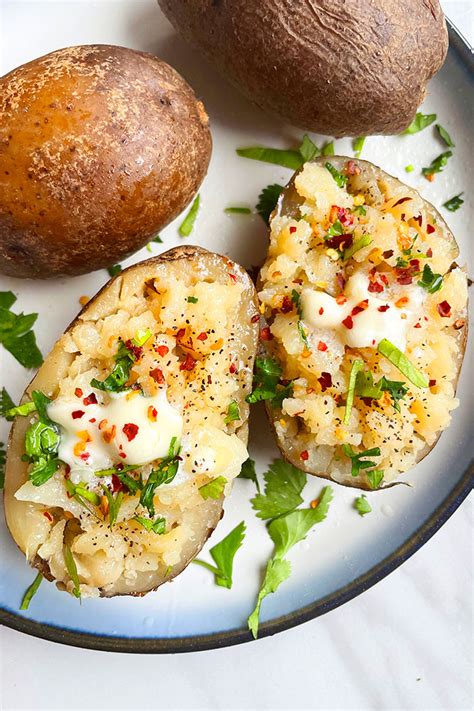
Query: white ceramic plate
point(346, 554)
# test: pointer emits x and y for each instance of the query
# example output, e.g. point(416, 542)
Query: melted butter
point(127, 428)
point(370, 326)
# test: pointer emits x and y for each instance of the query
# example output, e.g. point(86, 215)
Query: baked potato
point(338, 67)
point(100, 147)
point(366, 313)
point(135, 426)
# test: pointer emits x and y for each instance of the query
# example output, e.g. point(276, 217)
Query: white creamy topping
point(370, 326)
point(128, 428)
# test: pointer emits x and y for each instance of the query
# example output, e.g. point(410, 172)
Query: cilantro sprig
point(213, 489)
point(362, 505)
point(357, 462)
point(366, 387)
point(430, 281)
point(223, 554)
point(16, 334)
point(157, 526)
point(163, 474)
point(287, 158)
point(124, 359)
point(283, 486)
point(339, 178)
point(267, 384)
point(248, 472)
point(267, 201)
point(42, 442)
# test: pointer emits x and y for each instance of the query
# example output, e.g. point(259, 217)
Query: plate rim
point(159, 645)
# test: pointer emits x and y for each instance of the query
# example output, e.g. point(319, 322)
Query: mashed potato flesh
point(343, 272)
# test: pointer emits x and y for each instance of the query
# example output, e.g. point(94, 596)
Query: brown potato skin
point(337, 67)
point(100, 148)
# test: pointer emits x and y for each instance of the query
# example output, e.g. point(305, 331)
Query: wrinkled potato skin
point(337, 67)
point(100, 148)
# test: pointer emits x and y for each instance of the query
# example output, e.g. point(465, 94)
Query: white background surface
point(405, 644)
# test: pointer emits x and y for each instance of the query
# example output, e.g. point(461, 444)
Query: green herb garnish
point(192, 300)
point(454, 203)
point(276, 572)
point(157, 239)
point(437, 164)
point(296, 299)
point(266, 382)
point(356, 367)
point(287, 158)
point(335, 229)
point(365, 387)
point(223, 555)
point(16, 335)
point(357, 145)
point(157, 526)
point(72, 570)
point(339, 178)
point(362, 505)
point(213, 489)
point(357, 462)
point(248, 472)
point(115, 502)
point(409, 168)
point(31, 592)
point(359, 210)
point(124, 359)
point(420, 122)
point(400, 361)
point(283, 486)
point(186, 227)
point(360, 243)
point(42, 442)
point(267, 201)
point(164, 474)
point(328, 149)
point(238, 210)
point(233, 413)
point(445, 136)
point(308, 149)
point(114, 269)
point(375, 478)
point(429, 281)
point(7, 406)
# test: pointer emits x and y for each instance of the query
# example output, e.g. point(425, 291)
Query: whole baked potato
point(338, 67)
point(100, 147)
point(132, 431)
point(366, 312)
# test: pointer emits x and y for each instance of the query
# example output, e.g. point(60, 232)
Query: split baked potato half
point(366, 323)
point(135, 426)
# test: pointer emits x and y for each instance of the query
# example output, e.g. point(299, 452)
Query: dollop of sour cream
point(379, 317)
point(127, 428)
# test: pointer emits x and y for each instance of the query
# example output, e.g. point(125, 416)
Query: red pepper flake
point(444, 309)
point(401, 201)
point(375, 287)
point(304, 456)
point(418, 219)
point(123, 455)
point(352, 168)
point(233, 278)
point(348, 322)
point(383, 308)
point(384, 279)
point(340, 242)
point(136, 351)
point(430, 229)
point(232, 368)
point(162, 350)
point(321, 311)
point(84, 456)
point(417, 325)
point(130, 430)
point(78, 392)
point(48, 516)
point(255, 318)
point(202, 336)
point(188, 363)
point(429, 252)
point(325, 381)
point(322, 346)
point(152, 413)
point(116, 483)
point(292, 230)
point(90, 399)
point(345, 217)
point(265, 334)
point(361, 306)
point(157, 376)
point(180, 333)
point(77, 414)
point(286, 305)
point(341, 299)
point(405, 274)
point(432, 383)
point(297, 281)
point(387, 254)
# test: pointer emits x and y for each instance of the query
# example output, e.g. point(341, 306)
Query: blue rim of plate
point(140, 645)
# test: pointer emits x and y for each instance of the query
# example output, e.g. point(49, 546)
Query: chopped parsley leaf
point(335, 229)
point(358, 463)
point(163, 474)
point(429, 281)
point(362, 505)
point(233, 413)
point(360, 243)
point(6, 405)
point(115, 502)
point(238, 210)
point(308, 149)
point(114, 269)
point(266, 382)
point(157, 239)
point(31, 592)
point(454, 203)
point(16, 333)
point(248, 472)
point(339, 178)
point(267, 201)
point(359, 210)
point(286, 158)
point(213, 489)
point(437, 164)
point(223, 555)
point(420, 122)
point(356, 367)
point(445, 136)
point(192, 300)
point(365, 387)
point(124, 359)
point(283, 486)
point(328, 149)
point(277, 571)
point(357, 145)
point(375, 478)
point(186, 227)
point(400, 361)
